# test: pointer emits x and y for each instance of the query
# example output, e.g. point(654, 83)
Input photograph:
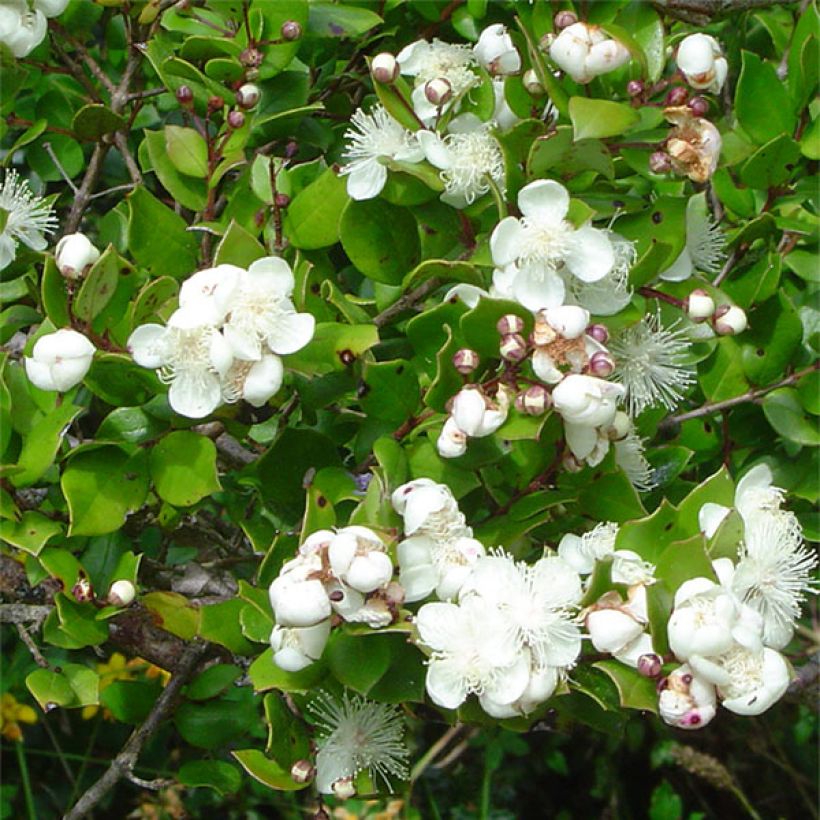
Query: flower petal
point(366, 179)
point(591, 255)
point(544, 201)
point(293, 332)
point(277, 274)
point(195, 395)
point(538, 291)
point(147, 346)
point(506, 241)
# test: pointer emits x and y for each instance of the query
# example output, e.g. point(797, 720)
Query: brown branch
point(25, 637)
point(85, 56)
point(123, 764)
point(406, 302)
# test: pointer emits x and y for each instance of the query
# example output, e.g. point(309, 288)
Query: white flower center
point(476, 158)
point(546, 246)
point(188, 351)
point(450, 62)
point(745, 670)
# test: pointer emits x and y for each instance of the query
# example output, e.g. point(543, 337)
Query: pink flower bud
point(291, 30)
point(659, 162)
point(236, 119)
point(438, 91)
point(465, 360)
point(281, 200)
point(634, 88)
point(730, 320)
point(343, 788)
point(303, 771)
point(649, 665)
point(184, 95)
point(384, 68)
point(121, 593)
point(534, 400)
point(598, 332)
point(509, 324)
point(699, 106)
point(677, 96)
point(251, 58)
point(699, 305)
point(513, 348)
point(82, 590)
point(247, 96)
point(565, 18)
point(601, 365)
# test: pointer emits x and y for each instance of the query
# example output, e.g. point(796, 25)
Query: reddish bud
point(533, 85)
point(660, 163)
point(598, 332)
point(535, 400)
point(509, 324)
point(601, 365)
point(649, 665)
point(730, 320)
point(248, 96)
point(291, 30)
point(251, 58)
point(676, 96)
point(281, 200)
point(465, 360)
point(291, 149)
point(438, 91)
point(215, 103)
point(82, 590)
point(384, 68)
point(513, 348)
point(699, 106)
point(303, 771)
point(236, 119)
point(184, 95)
point(565, 18)
point(634, 88)
point(699, 305)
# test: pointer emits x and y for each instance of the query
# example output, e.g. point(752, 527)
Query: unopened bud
point(571, 464)
point(291, 30)
point(659, 162)
point(251, 57)
point(291, 149)
point(248, 96)
point(599, 332)
point(82, 590)
point(343, 788)
point(620, 427)
point(676, 96)
point(303, 771)
point(465, 360)
point(509, 324)
point(634, 88)
point(601, 365)
point(513, 348)
point(281, 200)
point(438, 91)
point(121, 593)
point(236, 119)
point(534, 401)
point(184, 95)
point(699, 305)
point(649, 665)
point(74, 254)
point(565, 18)
point(699, 106)
point(384, 68)
point(394, 593)
point(215, 103)
point(532, 83)
point(730, 320)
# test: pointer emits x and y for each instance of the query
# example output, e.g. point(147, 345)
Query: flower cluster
point(585, 51)
point(473, 414)
point(347, 573)
point(23, 25)
point(225, 340)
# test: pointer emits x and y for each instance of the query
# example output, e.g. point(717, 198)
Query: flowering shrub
point(373, 367)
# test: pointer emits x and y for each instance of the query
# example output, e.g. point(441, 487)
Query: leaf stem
point(31, 811)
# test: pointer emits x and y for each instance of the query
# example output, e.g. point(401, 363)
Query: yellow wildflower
point(12, 714)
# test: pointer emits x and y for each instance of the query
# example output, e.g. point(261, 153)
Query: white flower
point(51, 8)
point(705, 242)
point(74, 254)
point(531, 252)
point(474, 651)
point(23, 216)
point(702, 63)
point(210, 292)
point(582, 551)
point(357, 557)
point(473, 415)
point(427, 564)
point(694, 144)
point(650, 363)
point(296, 648)
point(612, 629)
point(375, 137)
point(586, 51)
point(356, 734)
point(632, 653)
point(253, 382)
point(755, 680)
point(191, 357)
point(611, 293)
point(585, 401)
point(59, 360)
point(22, 29)
point(687, 701)
point(629, 456)
point(452, 442)
point(540, 687)
point(429, 509)
point(297, 595)
point(538, 600)
point(773, 574)
point(495, 51)
point(469, 157)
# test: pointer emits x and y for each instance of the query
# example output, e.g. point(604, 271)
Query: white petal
point(591, 256)
point(710, 517)
point(195, 396)
point(435, 150)
point(146, 346)
point(220, 353)
point(445, 684)
point(581, 439)
point(544, 366)
point(366, 179)
point(69, 372)
point(418, 581)
point(441, 626)
point(680, 269)
point(293, 332)
point(39, 374)
point(468, 411)
point(509, 684)
point(411, 58)
point(536, 292)
point(263, 380)
point(277, 275)
point(506, 241)
point(545, 202)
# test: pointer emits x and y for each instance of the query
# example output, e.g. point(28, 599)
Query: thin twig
point(59, 166)
point(433, 752)
point(85, 56)
point(123, 764)
point(121, 141)
point(406, 302)
point(25, 637)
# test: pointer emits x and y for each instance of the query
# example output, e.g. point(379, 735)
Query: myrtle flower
point(469, 158)
point(694, 144)
point(295, 648)
point(353, 735)
point(24, 217)
point(496, 52)
point(473, 415)
point(74, 254)
point(687, 700)
point(191, 357)
point(60, 360)
point(375, 137)
point(253, 382)
point(585, 51)
point(754, 680)
point(651, 364)
point(773, 573)
point(530, 253)
point(705, 243)
point(611, 293)
point(629, 456)
point(702, 62)
point(582, 551)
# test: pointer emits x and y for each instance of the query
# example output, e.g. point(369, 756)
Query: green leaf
point(54, 295)
point(600, 118)
point(287, 734)
point(212, 682)
point(635, 690)
point(131, 425)
point(157, 237)
point(220, 624)
point(31, 533)
point(79, 623)
point(130, 701)
point(312, 218)
point(214, 724)
point(788, 418)
point(118, 380)
point(611, 497)
point(722, 376)
point(358, 662)
point(772, 164)
point(50, 689)
point(381, 239)
point(265, 675)
point(774, 336)
point(102, 486)
point(392, 390)
point(95, 120)
point(334, 346)
point(646, 28)
point(334, 20)
point(188, 191)
point(99, 284)
point(187, 150)
point(173, 612)
point(266, 771)
point(218, 775)
point(664, 221)
point(759, 81)
point(238, 247)
point(183, 468)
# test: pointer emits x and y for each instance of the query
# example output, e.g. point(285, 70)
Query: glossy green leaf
point(187, 150)
point(594, 119)
point(312, 218)
point(183, 468)
point(758, 81)
point(218, 775)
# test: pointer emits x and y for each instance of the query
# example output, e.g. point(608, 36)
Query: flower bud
point(677, 96)
point(236, 119)
point(184, 95)
point(565, 18)
point(82, 590)
point(343, 788)
point(303, 771)
point(509, 324)
point(601, 365)
point(620, 427)
point(394, 593)
point(121, 593)
point(291, 30)
point(248, 96)
point(465, 360)
point(281, 200)
point(659, 162)
point(513, 348)
point(611, 629)
point(60, 360)
point(730, 320)
point(215, 103)
point(452, 442)
point(534, 400)
point(599, 332)
point(74, 254)
point(699, 106)
point(251, 57)
point(438, 91)
point(699, 305)
point(532, 83)
point(571, 464)
point(384, 68)
point(634, 88)
point(649, 665)
point(569, 320)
